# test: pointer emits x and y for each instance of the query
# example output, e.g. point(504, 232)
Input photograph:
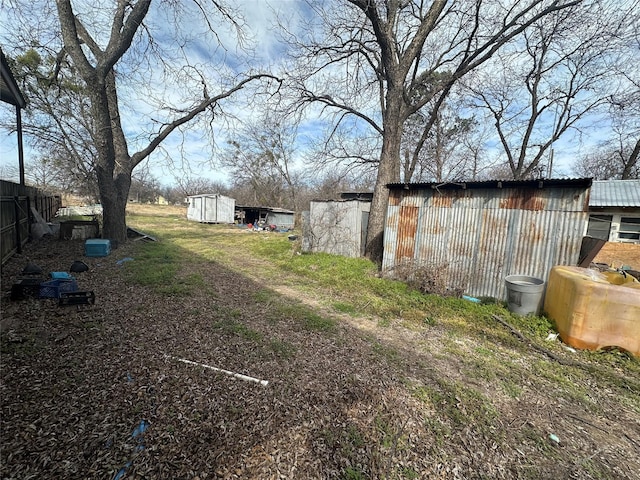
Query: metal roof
point(268, 209)
point(463, 185)
point(615, 193)
point(9, 91)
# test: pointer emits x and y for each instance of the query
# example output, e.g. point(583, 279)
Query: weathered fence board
point(16, 202)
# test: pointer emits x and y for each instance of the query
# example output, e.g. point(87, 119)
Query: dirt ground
point(618, 254)
point(102, 391)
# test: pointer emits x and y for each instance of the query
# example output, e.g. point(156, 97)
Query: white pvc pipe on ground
point(264, 383)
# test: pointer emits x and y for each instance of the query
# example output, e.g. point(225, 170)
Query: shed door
point(407, 227)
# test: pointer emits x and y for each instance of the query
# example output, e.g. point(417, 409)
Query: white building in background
point(211, 208)
point(614, 211)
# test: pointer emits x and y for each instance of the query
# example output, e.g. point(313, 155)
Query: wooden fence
point(16, 216)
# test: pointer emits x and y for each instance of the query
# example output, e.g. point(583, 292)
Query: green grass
point(157, 265)
point(485, 350)
point(345, 307)
point(282, 349)
point(353, 282)
point(456, 405)
point(233, 327)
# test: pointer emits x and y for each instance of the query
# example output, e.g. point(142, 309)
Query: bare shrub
point(428, 279)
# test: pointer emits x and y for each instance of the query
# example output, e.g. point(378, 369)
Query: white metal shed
point(211, 208)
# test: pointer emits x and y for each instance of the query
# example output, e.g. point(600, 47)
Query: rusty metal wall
point(476, 237)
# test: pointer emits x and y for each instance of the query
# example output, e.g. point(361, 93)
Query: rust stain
point(440, 200)
point(536, 234)
point(395, 198)
point(587, 196)
point(407, 228)
point(392, 218)
point(533, 202)
point(526, 199)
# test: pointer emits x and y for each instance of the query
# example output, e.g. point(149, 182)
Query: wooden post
point(20, 149)
point(16, 207)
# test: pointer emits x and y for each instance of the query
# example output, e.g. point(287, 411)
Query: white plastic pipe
point(264, 383)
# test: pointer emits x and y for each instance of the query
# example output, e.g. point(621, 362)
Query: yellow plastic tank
point(594, 310)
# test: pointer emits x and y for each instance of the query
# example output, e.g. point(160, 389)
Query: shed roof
point(615, 193)
point(366, 196)
point(9, 91)
point(268, 209)
point(486, 184)
point(206, 195)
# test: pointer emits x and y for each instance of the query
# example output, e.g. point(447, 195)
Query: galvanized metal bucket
point(524, 294)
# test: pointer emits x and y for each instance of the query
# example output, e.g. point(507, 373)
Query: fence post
point(16, 207)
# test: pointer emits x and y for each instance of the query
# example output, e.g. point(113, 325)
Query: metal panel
point(336, 227)
point(211, 208)
point(615, 193)
point(477, 236)
point(407, 225)
point(281, 219)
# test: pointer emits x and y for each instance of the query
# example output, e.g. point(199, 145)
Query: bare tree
point(261, 158)
point(451, 151)
point(624, 113)
point(610, 161)
point(40, 175)
point(548, 84)
point(189, 185)
point(383, 61)
point(58, 120)
point(104, 56)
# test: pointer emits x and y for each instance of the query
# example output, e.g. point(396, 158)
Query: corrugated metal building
point(337, 227)
point(614, 211)
point(477, 233)
point(211, 208)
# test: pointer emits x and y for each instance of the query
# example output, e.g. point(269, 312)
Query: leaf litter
point(359, 401)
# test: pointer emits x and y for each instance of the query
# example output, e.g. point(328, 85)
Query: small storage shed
point(337, 227)
point(474, 234)
point(211, 208)
point(282, 218)
point(614, 211)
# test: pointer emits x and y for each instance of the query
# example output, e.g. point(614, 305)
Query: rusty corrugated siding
point(477, 236)
point(407, 225)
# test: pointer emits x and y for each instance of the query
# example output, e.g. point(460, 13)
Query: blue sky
point(260, 18)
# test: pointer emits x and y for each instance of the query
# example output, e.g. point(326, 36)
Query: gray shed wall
point(281, 219)
point(336, 227)
point(476, 237)
point(211, 209)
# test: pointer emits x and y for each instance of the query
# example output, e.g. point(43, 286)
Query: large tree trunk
point(114, 163)
point(630, 163)
point(113, 196)
point(388, 172)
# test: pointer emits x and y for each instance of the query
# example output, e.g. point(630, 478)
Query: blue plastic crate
point(97, 247)
point(53, 288)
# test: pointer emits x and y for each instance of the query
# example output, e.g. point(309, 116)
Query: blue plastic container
point(53, 288)
point(60, 276)
point(97, 247)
